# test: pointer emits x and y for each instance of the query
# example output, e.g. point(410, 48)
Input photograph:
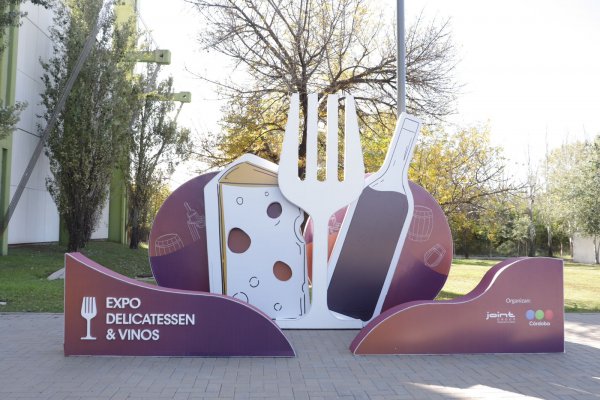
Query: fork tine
point(288, 159)
point(311, 137)
point(354, 166)
point(332, 137)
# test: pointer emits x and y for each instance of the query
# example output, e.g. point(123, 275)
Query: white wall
point(583, 249)
point(101, 231)
point(36, 217)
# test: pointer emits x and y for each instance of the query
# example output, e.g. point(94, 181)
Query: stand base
point(320, 319)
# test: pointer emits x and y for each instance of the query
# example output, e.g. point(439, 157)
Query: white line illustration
point(88, 312)
point(195, 222)
point(434, 256)
point(422, 224)
point(167, 244)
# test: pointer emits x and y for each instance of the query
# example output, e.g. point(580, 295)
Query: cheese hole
point(238, 241)
point(282, 271)
point(274, 210)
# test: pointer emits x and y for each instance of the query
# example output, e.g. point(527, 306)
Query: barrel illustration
point(167, 244)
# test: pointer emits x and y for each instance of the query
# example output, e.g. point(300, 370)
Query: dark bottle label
point(367, 253)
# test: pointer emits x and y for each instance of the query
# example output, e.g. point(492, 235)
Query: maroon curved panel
point(177, 244)
point(128, 317)
point(516, 308)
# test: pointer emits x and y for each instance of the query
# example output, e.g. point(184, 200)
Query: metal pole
point(401, 57)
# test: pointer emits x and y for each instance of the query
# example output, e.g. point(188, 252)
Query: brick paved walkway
point(32, 366)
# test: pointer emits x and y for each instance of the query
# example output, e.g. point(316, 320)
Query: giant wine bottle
point(373, 233)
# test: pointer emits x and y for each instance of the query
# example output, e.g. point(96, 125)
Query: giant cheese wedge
point(256, 252)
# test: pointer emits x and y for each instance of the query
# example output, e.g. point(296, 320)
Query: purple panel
point(516, 308)
point(405, 289)
point(184, 269)
point(158, 321)
point(177, 244)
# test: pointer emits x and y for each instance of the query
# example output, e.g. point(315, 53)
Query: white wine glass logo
point(88, 312)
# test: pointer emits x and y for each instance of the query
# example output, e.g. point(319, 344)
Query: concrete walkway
point(32, 366)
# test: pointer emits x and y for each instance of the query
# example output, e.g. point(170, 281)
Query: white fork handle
point(319, 316)
point(319, 270)
point(88, 335)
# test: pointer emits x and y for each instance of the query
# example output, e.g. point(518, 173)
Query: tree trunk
point(561, 249)
point(465, 244)
point(549, 230)
point(597, 249)
point(134, 240)
point(531, 230)
point(571, 246)
point(531, 251)
point(72, 245)
point(75, 229)
point(302, 148)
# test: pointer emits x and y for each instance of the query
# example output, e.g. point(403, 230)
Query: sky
point(530, 69)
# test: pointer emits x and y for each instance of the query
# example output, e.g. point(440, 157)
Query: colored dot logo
point(530, 314)
point(539, 315)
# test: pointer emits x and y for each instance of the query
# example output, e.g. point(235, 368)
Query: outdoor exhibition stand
point(234, 266)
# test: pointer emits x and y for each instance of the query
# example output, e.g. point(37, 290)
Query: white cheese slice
point(260, 275)
point(256, 250)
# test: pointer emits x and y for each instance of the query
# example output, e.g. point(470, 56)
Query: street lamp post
point(400, 57)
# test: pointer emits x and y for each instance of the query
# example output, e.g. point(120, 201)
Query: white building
point(36, 218)
point(583, 249)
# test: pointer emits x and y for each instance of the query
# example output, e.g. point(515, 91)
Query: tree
point(571, 197)
point(158, 197)
point(89, 137)
point(558, 202)
point(157, 145)
point(546, 203)
point(9, 116)
point(305, 46)
point(531, 195)
point(588, 194)
point(465, 174)
point(10, 16)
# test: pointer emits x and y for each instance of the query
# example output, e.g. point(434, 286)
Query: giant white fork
point(321, 199)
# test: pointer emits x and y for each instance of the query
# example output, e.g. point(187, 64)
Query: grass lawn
point(23, 273)
point(582, 283)
point(24, 287)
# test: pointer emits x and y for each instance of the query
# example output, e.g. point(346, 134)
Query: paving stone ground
point(32, 366)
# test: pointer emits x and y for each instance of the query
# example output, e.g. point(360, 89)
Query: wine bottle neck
point(393, 174)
